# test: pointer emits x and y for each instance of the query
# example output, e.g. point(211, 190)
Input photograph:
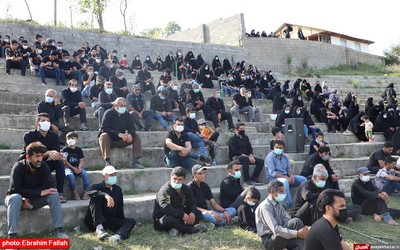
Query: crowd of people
point(315, 210)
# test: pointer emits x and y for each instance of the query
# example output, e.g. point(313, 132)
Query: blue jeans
point(53, 73)
point(298, 179)
point(207, 217)
point(390, 186)
point(147, 114)
point(86, 90)
point(162, 119)
point(174, 159)
point(312, 130)
point(198, 142)
point(71, 179)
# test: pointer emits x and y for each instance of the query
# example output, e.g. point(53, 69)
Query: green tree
point(392, 56)
point(152, 33)
point(95, 7)
point(171, 28)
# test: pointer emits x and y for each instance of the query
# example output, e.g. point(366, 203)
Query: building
point(325, 36)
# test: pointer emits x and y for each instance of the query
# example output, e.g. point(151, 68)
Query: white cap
point(109, 170)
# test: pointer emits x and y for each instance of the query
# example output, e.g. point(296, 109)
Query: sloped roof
point(326, 32)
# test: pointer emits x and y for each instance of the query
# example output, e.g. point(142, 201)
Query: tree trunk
point(70, 13)
point(29, 10)
point(99, 14)
point(55, 13)
point(123, 12)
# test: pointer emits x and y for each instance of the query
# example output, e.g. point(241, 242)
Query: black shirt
point(54, 111)
point(190, 125)
point(106, 101)
point(142, 76)
point(247, 216)
point(66, 65)
point(375, 156)
point(159, 105)
point(95, 90)
point(106, 72)
point(201, 194)
point(214, 104)
point(238, 146)
point(47, 59)
point(361, 191)
point(28, 184)
point(322, 236)
point(97, 193)
point(71, 99)
point(36, 59)
point(313, 160)
point(181, 140)
point(170, 202)
point(115, 123)
point(50, 141)
point(307, 191)
point(230, 189)
point(136, 101)
point(73, 155)
point(241, 101)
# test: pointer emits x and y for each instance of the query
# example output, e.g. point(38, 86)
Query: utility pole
point(55, 13)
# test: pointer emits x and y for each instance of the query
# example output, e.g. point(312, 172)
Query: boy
point(211, 138)
point(368, 128)
point(386, 180)
point(246, 212)
point(74, 163)
point(277, 133)
point(317, 143)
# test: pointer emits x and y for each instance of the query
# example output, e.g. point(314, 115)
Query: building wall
point(265, 53)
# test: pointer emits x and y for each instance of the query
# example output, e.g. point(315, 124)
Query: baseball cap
point(201, 121)
point(363, 170)
point(109, 170)
point(136, 86)
point(198, 168)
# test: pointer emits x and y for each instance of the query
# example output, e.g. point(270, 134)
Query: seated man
point(14, 58)
point(214, 110)
point(305, 200)
point(106, 209)
point(277, 166)
point(192, 129)
point(240, 148)
point(96, 90)
point(377, 159)
point(31, 187)
point(324, 233)
point(116, 122)
point(202, 192)
point(52, 107)
point(53, 157)
point(72, 104)
point(35, 58)
point(50, 67)
point(119, 83)
point(196, 97)
point(371, 200)
point(321, 157)
point(137, 107)
point(145, 80)
point(317, 143)
point(174, 96)
point(175, 207)
point(177, 148)
point(243, 104)
point(88, 80)
point(107, 70)
point(247, 211)
point(106, 100)
point(67, 69)
point(274, 226)
point(161, 106)
point(387, 179)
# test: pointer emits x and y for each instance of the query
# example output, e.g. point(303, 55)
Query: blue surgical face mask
point(111, 180)
point(109, 91)
point(176, 185)
point(320, 183)
point(49, 99)
point(162, 97)
point(192, 116)
point(278, 151)
point(237, 174)
point(121, 110)
point(250, 203)
point(111, 66)
point(280, 197)
point(196, 90)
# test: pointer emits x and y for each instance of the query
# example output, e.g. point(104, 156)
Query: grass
point(362, 69)
point(144, 237)
point(5, 146)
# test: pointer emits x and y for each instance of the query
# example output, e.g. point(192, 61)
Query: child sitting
point(211, 138)
point(246, 212)
point(74, 166)
point(317, 143)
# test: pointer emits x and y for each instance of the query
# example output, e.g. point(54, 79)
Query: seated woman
point(158, 64)
point(136, 63)
point(217, 66)
point(205, 76)
point(149, 63)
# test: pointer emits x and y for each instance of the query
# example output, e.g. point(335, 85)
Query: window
point(325, 39)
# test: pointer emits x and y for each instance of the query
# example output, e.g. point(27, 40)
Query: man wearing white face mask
point(106, 209)
point(371, 199)
point(106, 100)
point(305, 200)
point(120, 85)
point(35, 58)
point(107, 70)
point(175, 209)
point(116, 122)
point(53, 157)
point(243, 104)
point(50, 67)
point(274, 226)
point(72, 104)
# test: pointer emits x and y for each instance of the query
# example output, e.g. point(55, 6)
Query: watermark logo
point(361, 246)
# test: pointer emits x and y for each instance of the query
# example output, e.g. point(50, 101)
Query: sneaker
point(200, 228)
point(12, 236)
point(213, 163)
point(173, 232)
point(101, 234)
point(249, 183)
point(63, 199)
point(205, 159)
point(76, 195)
point(85, 196)
point(108, 162)
point(137, 165)
point(83, 127)
point(234, 220)
point(115, 239)
point(60, 233)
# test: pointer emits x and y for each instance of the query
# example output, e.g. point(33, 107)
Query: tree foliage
point(152, 33)
point(392, 56)
point(95, 7)
point(171, 28)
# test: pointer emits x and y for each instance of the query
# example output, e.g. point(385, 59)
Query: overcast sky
point(372, 20)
